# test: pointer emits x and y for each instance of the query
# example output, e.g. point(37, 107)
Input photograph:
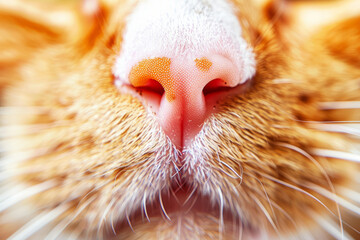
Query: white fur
point(183, 29)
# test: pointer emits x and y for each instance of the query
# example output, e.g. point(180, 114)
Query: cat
point(97, 145)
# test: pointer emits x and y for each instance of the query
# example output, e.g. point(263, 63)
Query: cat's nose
point(183, 93)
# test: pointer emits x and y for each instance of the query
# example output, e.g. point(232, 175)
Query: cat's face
point(89, 154)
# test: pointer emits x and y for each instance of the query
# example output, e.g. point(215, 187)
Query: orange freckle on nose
point(203, 64)
point(157, 69)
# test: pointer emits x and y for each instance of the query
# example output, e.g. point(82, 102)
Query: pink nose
point(183, 93)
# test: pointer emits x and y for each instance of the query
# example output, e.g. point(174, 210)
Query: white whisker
point(297, 189)
point(21, 156)
point(22, 130)
point(267, 215)
point(75, 235)
point(4, 174)
point(349, 193)
point(58, 229)
point(190, 195)
point(221, 206)
point(26, 193)
point(24, 110)
point(336, 154)
point(332, 228)
point(339, 105)
point(179, 232)
point(284, 81)
point(241, 230)
point(328, 122)
point(144, 207)
point(106, 211)
point(112, 222)
point(354, 209)
point(38, 223)
point(237, 176)
point(192, 204)
point(337, 128)
point(285, 214)
point(128, 221)
point(266, 195)
point(163, 208)
point(318, 165)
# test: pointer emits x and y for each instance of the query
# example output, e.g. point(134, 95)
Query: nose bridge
point(182, 29)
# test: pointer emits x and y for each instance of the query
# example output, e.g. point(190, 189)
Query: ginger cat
point(178, 119)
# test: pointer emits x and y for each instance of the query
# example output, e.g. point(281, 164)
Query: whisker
point(284, 81)
point(297, 189)
point(190, 195)
point(38, 223)
point(221, 220)
point(163, 208)
point(144, 207)
point(266, 195)
point(173, 193)
point(336, 154)
point(241, 230)
point(75, 235)
point(106, 211)
point(339, 105)
point(128, 220)
point(4, 174)
point(349, 193)
point(24, 110)
point(327, 122)
point(23, 130)
point(349, 123)
point(318, 165)
point(337, 128)
point(267, 215)
point(26, 193)
point(7, 192)
point(285, 214)
point(112, 222)
point(91, 191)
point(22, 156)
point(237, 176)
point(58, 229)
point(179, 232)
point(332, 228)
point(273, 204)
point(226, 173)
point(346, 204)
point(192, 204)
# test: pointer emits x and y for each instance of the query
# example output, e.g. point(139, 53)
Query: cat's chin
point(182, 210)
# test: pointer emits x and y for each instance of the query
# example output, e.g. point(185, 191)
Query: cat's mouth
point(178, 205)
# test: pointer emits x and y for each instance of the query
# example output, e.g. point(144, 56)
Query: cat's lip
point(173, 206)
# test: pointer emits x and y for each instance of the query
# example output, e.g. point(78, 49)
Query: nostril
point(151, 86)
point(153, 75)
point(216, 85)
